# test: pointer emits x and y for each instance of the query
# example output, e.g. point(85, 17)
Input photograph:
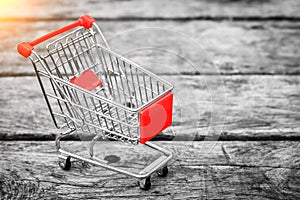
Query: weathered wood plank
point(256, 108)
point(158, 9)
point(200, 170)
point(235, 48)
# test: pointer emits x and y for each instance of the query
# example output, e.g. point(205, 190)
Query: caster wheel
point(162, 172)
point(65, 164)
point(145, 184)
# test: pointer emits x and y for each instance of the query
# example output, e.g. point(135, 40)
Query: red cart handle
point(25, 48)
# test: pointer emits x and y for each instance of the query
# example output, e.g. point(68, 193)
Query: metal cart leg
point(93, 142)
point(91, 149)
point(64, 160)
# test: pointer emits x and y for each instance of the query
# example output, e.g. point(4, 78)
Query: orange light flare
point(13, 15)
point(10, 9)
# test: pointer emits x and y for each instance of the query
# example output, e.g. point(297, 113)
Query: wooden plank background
point(254, 86)
point(236, 47)
point(256, 108)
point(156, 9)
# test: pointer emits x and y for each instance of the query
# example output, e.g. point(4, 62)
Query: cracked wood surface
point(268, 47)
point(153, 10)
point(240, 108)
point(199, 170)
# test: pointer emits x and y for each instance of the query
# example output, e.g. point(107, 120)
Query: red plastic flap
point(156, 117)
point(87, 80)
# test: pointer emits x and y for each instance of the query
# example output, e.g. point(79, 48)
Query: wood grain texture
point(232, 107)
point(200, 170)
point(175, 47)
point(157, 9)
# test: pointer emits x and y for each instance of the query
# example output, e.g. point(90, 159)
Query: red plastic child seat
point(87, 80)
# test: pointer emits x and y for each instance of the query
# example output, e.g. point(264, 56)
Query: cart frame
point(64, 91)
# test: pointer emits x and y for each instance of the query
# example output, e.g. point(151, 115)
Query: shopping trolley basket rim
point(121, 58)
point(109, 51)
point(42, 58)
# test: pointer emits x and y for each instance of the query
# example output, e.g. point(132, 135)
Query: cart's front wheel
point(145, 184)
point(65, 164)
point(163, 172)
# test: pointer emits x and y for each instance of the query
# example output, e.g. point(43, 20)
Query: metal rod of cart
point(95, 90)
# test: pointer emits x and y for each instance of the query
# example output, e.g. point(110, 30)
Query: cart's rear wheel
point(163, 172)
point(65, 164)
point(145, 184)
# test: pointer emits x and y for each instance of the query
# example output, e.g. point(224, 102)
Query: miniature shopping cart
point(91, 89)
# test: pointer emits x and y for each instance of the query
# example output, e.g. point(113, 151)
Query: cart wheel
point(145, 184)
point(65, 164)
point(162, 172)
